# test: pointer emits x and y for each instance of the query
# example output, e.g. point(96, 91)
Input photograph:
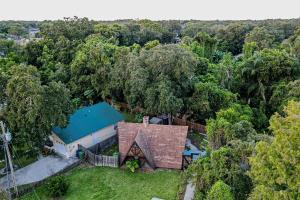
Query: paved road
point(39, 170)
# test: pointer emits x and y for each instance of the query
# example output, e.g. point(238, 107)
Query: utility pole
point(6, 140)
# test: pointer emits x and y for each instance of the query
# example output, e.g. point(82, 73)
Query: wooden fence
point(99, 160)
point(192, 125)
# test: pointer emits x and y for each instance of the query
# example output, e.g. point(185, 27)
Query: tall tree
point(264, 69)
point(261, 37)
point(275, 166)
point(33, 109)
point(232, 37)
point(91, 68)
point(208, 98)
point(160, 78)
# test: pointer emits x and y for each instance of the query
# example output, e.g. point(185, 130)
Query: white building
point(87, 127)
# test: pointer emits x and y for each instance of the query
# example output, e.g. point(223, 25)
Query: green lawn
point(116, 184)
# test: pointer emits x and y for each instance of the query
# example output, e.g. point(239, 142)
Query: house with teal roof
point(87, 126)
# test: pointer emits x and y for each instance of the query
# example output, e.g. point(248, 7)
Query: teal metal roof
point(87, 120)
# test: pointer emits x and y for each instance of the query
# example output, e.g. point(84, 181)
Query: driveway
point(39, 170)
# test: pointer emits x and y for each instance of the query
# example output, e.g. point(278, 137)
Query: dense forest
point(239, 78)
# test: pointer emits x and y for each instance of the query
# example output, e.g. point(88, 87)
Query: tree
point(261, 71)
point(33, 109)
point(220, 191)
point(284, 92)
point(90, 70)
point(203, 45)
point(208, 44)
point(71, 28)
point(292, 44)
point(225, 72)
point(222, 164)
point(208, 98)
point(249, 48)
point(151, 44)
point(261, 37)
point(160, 78)
point(275, 166)
point(232, 37)
point(231, 123)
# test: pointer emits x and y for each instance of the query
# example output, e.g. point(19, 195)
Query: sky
point(149, 9)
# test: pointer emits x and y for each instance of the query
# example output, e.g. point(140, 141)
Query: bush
point(220, 191)
point(3, 194)
point(132, 165)
point(57, 186)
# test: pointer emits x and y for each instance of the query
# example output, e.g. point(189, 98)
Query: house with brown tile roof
point(154, 145)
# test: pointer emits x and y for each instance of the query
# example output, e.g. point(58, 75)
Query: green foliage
point(249, 48)
point(261, 37)
point(90, 69)
point(274, 168)
point(132, 165)
point(151, 44)
point(160, 84)
point(284, 92)
point(57, 186)
point(138, 117)
point(231, 123)
point(220, 191)
point(208, 98)
point(292, 44)
point(70, 28)
point(261, 72)
point(203, 45)
point(222, 164)
point(225, 72)
point(3, 195)
point(33, 109)
point(232, 37)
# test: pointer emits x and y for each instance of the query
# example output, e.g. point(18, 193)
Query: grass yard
point(116, 184)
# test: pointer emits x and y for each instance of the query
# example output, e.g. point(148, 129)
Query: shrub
point(3, 194)
point(220, 191)
point(132, 165)
point(57, 186)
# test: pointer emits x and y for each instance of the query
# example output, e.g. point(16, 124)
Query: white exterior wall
point(58, 145)
point(86, 141)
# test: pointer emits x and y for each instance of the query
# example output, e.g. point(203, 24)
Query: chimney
point(146, 121)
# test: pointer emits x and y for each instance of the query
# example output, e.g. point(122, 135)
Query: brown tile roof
point(163, 144)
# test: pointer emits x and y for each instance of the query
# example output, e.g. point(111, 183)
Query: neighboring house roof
point(88, 120)
point(162, 145)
